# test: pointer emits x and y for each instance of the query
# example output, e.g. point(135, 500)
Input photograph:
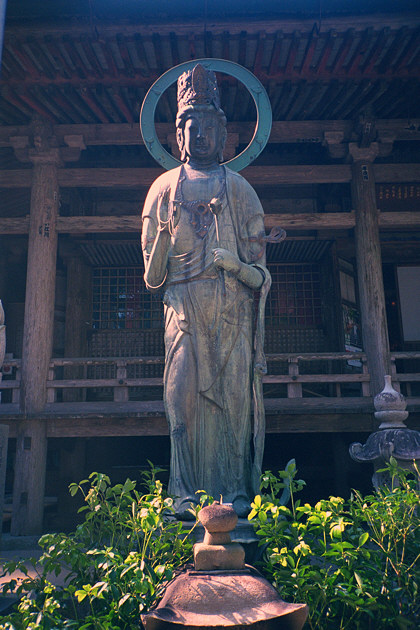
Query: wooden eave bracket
point(363, 154)
point(20, 146)
point(386, 141)
point(338, 146)
point(70, 153)
point(75, 141)
point(75, 144)
point(334, 141)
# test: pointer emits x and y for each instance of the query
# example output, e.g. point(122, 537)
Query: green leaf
point(73, 488)
point(358, 580)
point(123, 599)
point(80, 595)
point(363, 538)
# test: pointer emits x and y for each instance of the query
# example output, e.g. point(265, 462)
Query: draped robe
point(209, 352)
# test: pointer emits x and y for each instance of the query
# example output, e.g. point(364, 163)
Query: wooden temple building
point(82, 378)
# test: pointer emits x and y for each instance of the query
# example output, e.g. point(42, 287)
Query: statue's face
point(203, 135)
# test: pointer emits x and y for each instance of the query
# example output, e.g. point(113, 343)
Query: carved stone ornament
point(221, 591)
point(393, 439)
point(390, 407)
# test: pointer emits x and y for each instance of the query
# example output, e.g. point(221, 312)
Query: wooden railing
point(408, 378)
point(329, 375)
point(11, 379)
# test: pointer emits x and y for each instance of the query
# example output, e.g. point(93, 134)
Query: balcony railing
point(121, 379)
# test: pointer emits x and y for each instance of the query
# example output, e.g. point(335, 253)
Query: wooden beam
point(256, 175)
point(233, 26)
point(282, 131)
point(285, 416)
point(132, 223)
point(144, 177)
point(399, 220)
point(14, 225)
point(396, 173)
point(16, 178)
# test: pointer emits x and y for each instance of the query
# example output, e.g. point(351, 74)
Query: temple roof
point(93, 62)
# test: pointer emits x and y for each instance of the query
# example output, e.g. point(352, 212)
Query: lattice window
point(294, 300)
point(121, 301)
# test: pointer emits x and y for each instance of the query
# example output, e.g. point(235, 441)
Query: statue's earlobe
point(222, 144)
point(181, 143)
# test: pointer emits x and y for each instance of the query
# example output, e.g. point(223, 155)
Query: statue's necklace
point(199, 210)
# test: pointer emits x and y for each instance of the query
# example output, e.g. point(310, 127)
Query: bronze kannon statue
point(203, 243)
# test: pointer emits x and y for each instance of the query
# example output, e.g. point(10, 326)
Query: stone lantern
point(393, 439)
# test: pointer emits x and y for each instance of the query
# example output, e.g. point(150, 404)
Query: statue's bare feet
point(242, 507)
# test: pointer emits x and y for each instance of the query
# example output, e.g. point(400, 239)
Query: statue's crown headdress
point(198, 87)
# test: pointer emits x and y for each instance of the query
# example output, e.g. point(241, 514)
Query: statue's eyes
point(191, 124)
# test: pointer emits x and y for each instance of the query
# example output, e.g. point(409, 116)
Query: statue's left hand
point(226, 260)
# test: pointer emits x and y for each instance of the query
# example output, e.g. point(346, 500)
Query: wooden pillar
point(3, 267)
point(4, 429)
point(369, 266)
point(31, 446)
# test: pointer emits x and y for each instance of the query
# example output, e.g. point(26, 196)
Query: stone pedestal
point(243, 533)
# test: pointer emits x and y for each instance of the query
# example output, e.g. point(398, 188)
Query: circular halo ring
point(250, 81)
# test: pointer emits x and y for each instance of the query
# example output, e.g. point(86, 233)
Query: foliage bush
point(118, 561)
point(355, 563)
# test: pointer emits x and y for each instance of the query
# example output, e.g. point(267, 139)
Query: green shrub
point(355, 563)
point(118, 561)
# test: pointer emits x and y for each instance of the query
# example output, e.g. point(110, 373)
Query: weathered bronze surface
point(203, 242)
